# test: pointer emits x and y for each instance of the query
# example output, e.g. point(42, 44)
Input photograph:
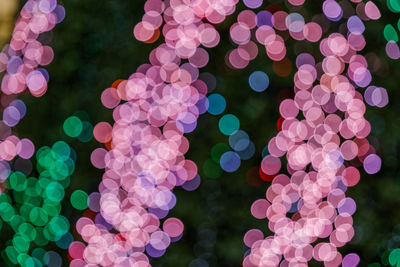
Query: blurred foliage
point(94, 46)
point(8, 8)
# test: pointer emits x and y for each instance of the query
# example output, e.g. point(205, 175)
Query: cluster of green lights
point(388, 258)
point(32, 208)
point(389, 32)
point(78, 126)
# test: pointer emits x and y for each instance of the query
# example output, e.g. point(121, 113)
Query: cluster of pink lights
point(323, 133)
point(25, 53)
point(145, 162)
point(265, 34)
point(21, 61)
